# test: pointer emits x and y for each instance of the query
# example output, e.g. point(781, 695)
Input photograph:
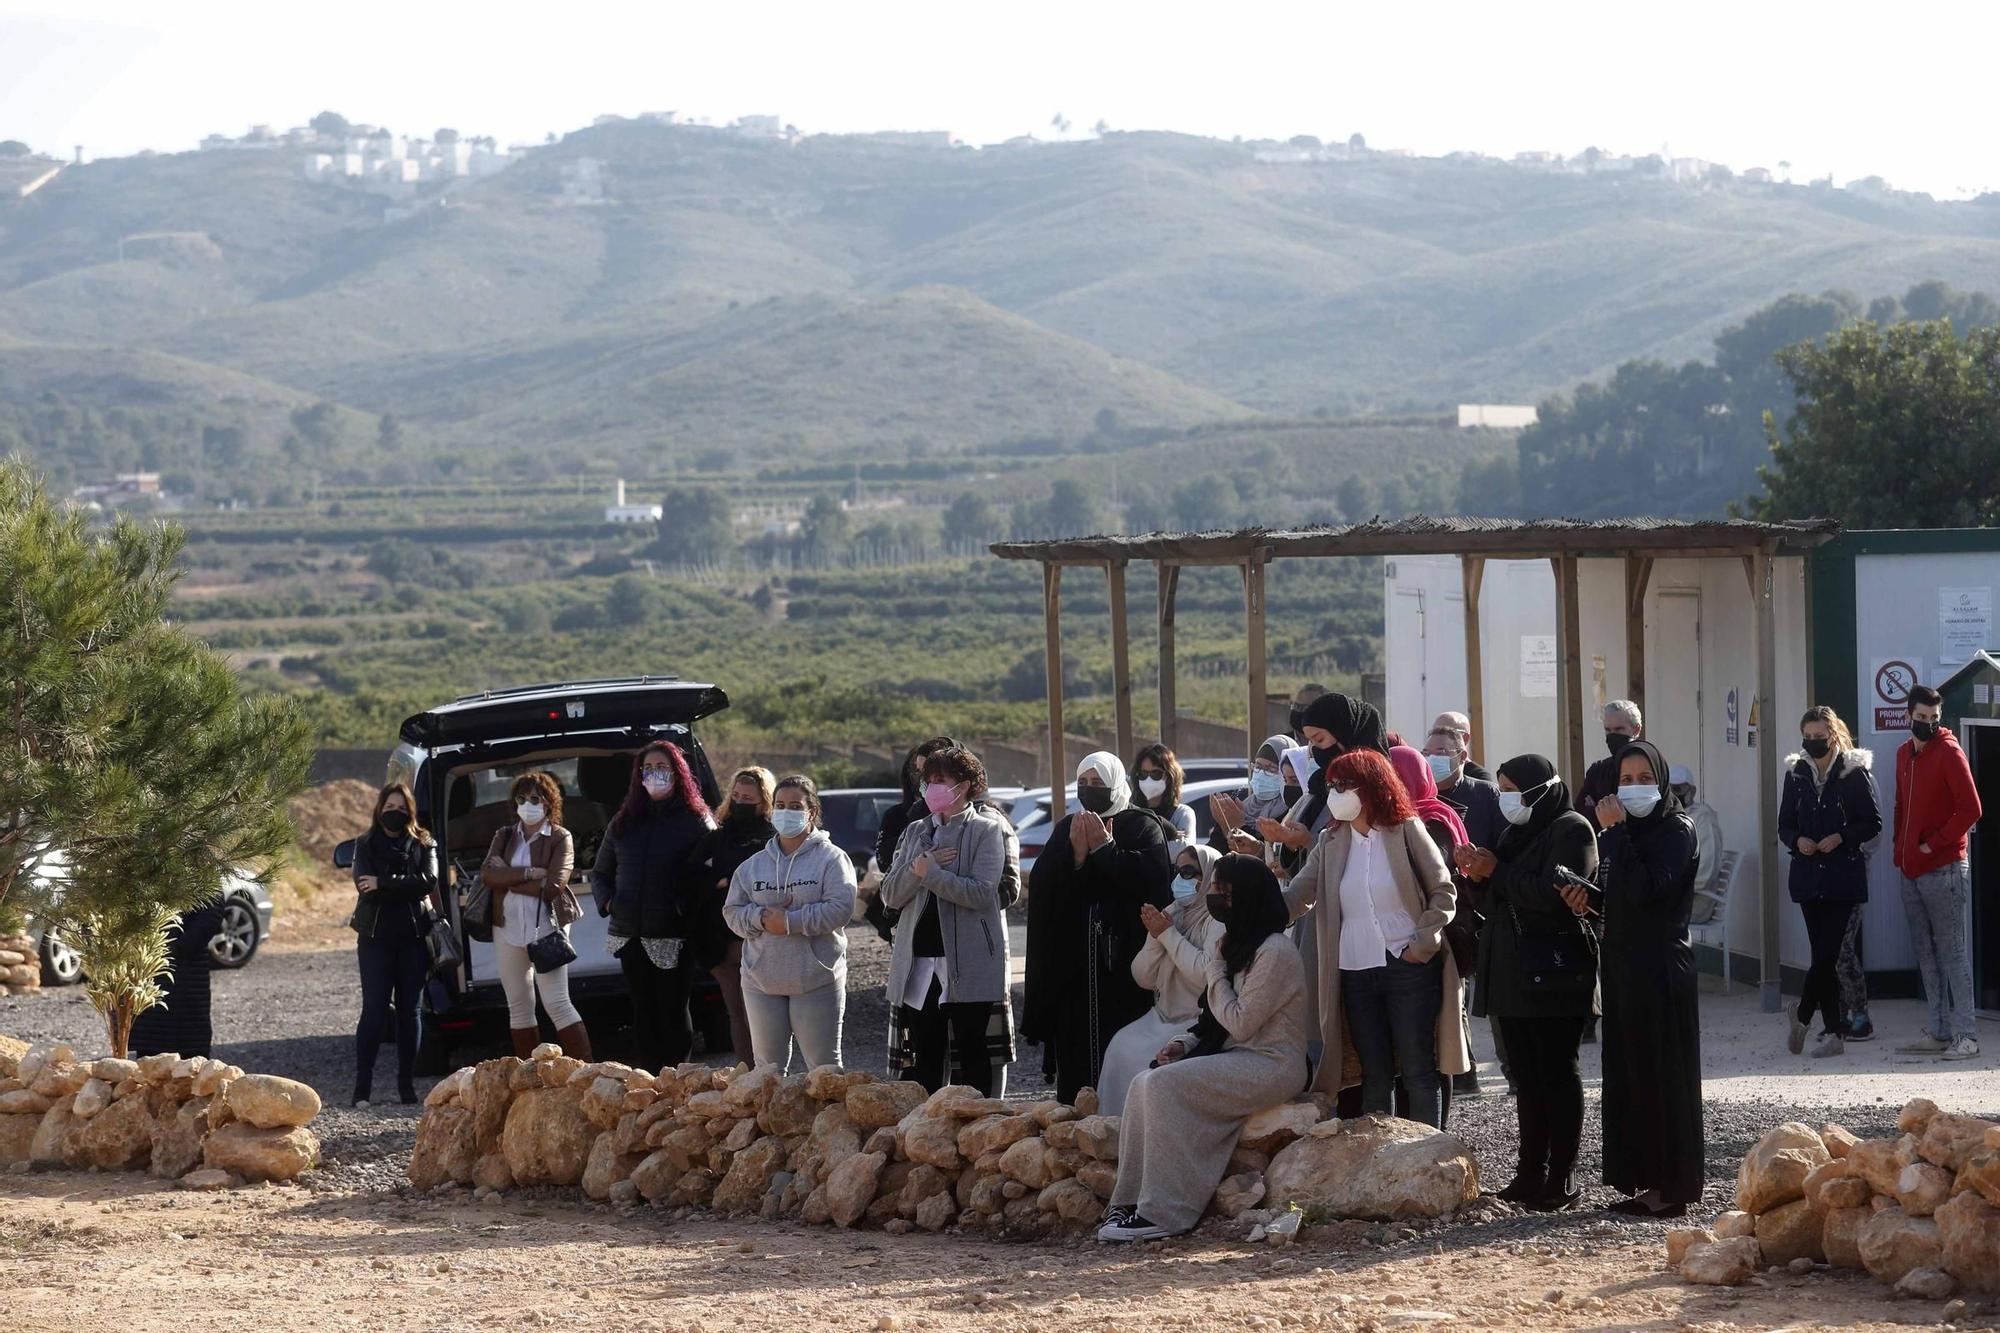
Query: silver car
point(246, 922)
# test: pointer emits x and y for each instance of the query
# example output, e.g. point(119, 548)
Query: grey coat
point(814, 887)
point(970, 914)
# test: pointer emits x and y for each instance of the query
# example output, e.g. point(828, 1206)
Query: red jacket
point(1936, 803)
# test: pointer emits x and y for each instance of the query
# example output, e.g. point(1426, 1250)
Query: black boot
point(1524, 1188)
point(1558, 1197)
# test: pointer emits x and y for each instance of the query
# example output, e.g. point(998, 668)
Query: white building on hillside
point(1496, 416)
point(620, 512)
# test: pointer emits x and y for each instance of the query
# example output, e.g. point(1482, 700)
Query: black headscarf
point(1257, 909)
point(1528, 772)
point(1670, 804)
point(1356, 725)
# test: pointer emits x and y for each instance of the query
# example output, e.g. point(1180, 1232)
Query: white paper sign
point(1538, 666)
point(1965, 623)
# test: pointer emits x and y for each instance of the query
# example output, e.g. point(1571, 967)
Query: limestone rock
point(50, 1146)
point(790, 1110)
point(1949, 1140)
point(1276, 1126)
point(492, 1092)
point(157, 1068)
point(208, 1178)
point(881, 1105)
point(1073, 1203)
point(1969, 1238)
point(114, 1071)
point(1847, 1192)
point(816, 1211)
point(491, 1172)
point(17, 1136)
point(546, 1139)
point(261, 1154)
point(43, 1053)
point(92, 1097)
point(919, 1183)
point(746, 1092)
point(850, 1188)
point(933, 1139)
point(1840, 1235)
point(1377, 1167)
point(1027, 1162)
point(1243, 1159)
point(1101, 1178)
point(1097, 1135)
point(451, 1088)
point(739, 1136)
point(693, 1188)
point(749, 1176)
point(24, 1101)
point(1774, 1171)
point(1682, 1239)
point(1916, 1114)
point(1062, 1134)
point(881, 1140)
point(1821, 1176)
point(603, 1102)
point(555, 1072)
point(214, 1078)
point(1726, 1263)
point(994, 1133)
point(1051, 1113)
point(267, 1101)
point(1880, 1162)
point(1086, 1102)
point(1023, 1217)
point(936, 1212)
point(834, 1134)
point(1734, 1223)
point(655, 1175)
point(831, 1083)
point(179, 1130)
point(1892, 1243)
point(446, 1147)
point(989, 1195)
point(1922, 1188)
point(1927, 1284)
point(59, 1078)
point(1790, 1231)
point(607, 1166)
point(1236, 1195)
point(1837, 1141)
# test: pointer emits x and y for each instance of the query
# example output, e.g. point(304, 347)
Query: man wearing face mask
point(1472, 795)
point(1936, 807)
point(1462, 725)
point(1622, 725)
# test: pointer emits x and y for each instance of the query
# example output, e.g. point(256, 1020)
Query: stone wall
point(840, 1147)
point(1920, 1212)
point(202, 1122)
point(20, 965)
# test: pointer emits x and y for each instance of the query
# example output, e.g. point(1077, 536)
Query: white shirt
point(527, 920)
point(1373, 921)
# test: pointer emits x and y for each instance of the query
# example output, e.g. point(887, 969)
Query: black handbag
point(1555, 961)
point(552, 950)
point(442, 943)
point(475, 911)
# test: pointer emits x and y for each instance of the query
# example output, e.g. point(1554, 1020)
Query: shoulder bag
point(552, 950)
point(1555, 961)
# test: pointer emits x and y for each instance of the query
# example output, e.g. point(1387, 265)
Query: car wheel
point(236, 942)
point(61, 965)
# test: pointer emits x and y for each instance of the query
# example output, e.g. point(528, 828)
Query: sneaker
point(1795, 1031)
point(1829, 1044)
point(1859, 1029)
point(1132, 1228)
point(1925, 1045)
point(1118, 1214)
point(1962, 1048)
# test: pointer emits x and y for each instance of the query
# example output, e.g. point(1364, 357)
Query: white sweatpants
point(520, 980)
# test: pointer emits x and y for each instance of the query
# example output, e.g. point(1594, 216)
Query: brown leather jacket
point(552, 852)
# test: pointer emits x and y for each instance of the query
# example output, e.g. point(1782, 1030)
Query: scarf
point(1415, 773)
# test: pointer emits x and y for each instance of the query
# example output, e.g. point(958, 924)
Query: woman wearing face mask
point(395, 876)
point(645, 882)
point(790, 903)
point(745, 828)
point(1098, 868)
point(948, 972)
point(1538, 970)
point(1173, 964)
point(1264, 798)
point(1652, 1033)
point(1156, 784)
point(1828, 814)
point(527, 867)
point(1380, 897)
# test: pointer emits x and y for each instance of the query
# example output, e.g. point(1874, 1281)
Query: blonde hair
point(1825, 715)
point(766, 784)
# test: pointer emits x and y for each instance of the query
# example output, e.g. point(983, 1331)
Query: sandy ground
point(89, 1254)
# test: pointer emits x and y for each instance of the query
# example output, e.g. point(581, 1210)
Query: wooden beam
point(1170, 583)
point(1638, 573)
point(1253, 616)
point(1472, 574)
point(1052, 621)
point(1764, 602)
point(1121, 658)
point(1569, 671)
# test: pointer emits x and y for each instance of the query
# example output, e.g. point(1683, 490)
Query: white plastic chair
point(1715, 930)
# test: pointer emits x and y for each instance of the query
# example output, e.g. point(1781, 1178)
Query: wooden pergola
point(1562, 542)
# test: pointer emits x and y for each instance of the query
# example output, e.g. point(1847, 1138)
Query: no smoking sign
point(1894, 679)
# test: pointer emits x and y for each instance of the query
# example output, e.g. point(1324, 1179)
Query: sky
point(1901, 92)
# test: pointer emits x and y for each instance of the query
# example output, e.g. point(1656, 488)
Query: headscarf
point(1275, 748)
point(1356, 725)
point(1190, 916)
point(1300, 758)
point(1527, 772)
point(1670, 804)
point(1112, 770)
point(1415, 772)
point(1257, 910)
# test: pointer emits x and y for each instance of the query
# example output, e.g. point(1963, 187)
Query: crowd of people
point(1356, 904)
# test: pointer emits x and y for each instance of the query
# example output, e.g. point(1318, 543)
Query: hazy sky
point(1898, 91)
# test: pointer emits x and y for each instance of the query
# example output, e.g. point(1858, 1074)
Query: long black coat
point(1523, 890)
point(1845, 804)
point(1083, 933)
point(713, 862)
point(1652, 1026)
point(180, 1022)
point(642, 878)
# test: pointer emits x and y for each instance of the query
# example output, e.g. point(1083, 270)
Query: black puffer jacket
point(715, 860)
point(405, 875)
point(1845, 804)
point(643, 880)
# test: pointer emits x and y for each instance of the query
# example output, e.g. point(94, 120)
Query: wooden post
point(1170, 583)
point(1253, 616)
point(1121, 661)
point(1569, 671)
point(1638, 574)
point(1472, 573)
point(1052, 620)
point(1764, 603)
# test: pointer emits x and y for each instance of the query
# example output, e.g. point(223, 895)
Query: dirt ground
point(90, 1253)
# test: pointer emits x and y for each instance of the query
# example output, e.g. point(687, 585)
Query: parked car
point(246, 923)
point(852, 817)
point(1032, 821)
point(460, 759)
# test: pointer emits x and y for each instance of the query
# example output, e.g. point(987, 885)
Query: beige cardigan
point(1174, 963)
point(1431, 900)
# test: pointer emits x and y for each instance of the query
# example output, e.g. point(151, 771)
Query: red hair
point(685, 791)
point(1368, 774)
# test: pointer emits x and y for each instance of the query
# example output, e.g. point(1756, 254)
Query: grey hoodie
point(970, 914)
point(815, 887)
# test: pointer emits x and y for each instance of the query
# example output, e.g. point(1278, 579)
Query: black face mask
point(395, 823)
point(1817, 746)
point(1188, 872)
point(744, 810)
point(1292, 794)
point(1923, 731)
point(1326, 754)
point(1097, 800)
point(1615, 741)
point(1218, 907)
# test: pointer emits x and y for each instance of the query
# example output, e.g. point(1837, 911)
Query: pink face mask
point(940, 797)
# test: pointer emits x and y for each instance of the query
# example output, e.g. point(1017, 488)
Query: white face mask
point(1343, 805)
point(1514, 809)
point(1152, 788)
point(790, 823)
point(1639, 800)
point(531, 812)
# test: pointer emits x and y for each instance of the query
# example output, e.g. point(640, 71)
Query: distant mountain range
point(844, 296)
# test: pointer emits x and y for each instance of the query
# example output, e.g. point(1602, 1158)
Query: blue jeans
point(393, 967)
point(1934, 905)
point(1392, 1015)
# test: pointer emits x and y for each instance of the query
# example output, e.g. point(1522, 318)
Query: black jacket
point(1844, 804)
point(405, 875)
point(1477, 801)
point(1647, 874)
point(715, 859)
point(643, 880)
point(1522, 891)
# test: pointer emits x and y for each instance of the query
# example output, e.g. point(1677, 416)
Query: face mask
point(1187, 881)
point(1817, 746)
point(1924, 731)
point(790, 823)
point(1325, 754)
point(1515, 808)
point(1615, 741)
point(1097, 800)
point(1218, 907)
point(656, 782)
point(939, 797)
point(531, 812)
point(1265, 785)
point(395, 822)
point(745, 810)
point(1153, 788)
point(1441, 766)
point(1343, 805)
point(1639, 800)
point(1292, 794)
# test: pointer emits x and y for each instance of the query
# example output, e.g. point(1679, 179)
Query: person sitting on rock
point(1174, 963)
point(1246, 1052)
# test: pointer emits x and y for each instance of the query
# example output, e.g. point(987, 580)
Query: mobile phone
point(1576, 881)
